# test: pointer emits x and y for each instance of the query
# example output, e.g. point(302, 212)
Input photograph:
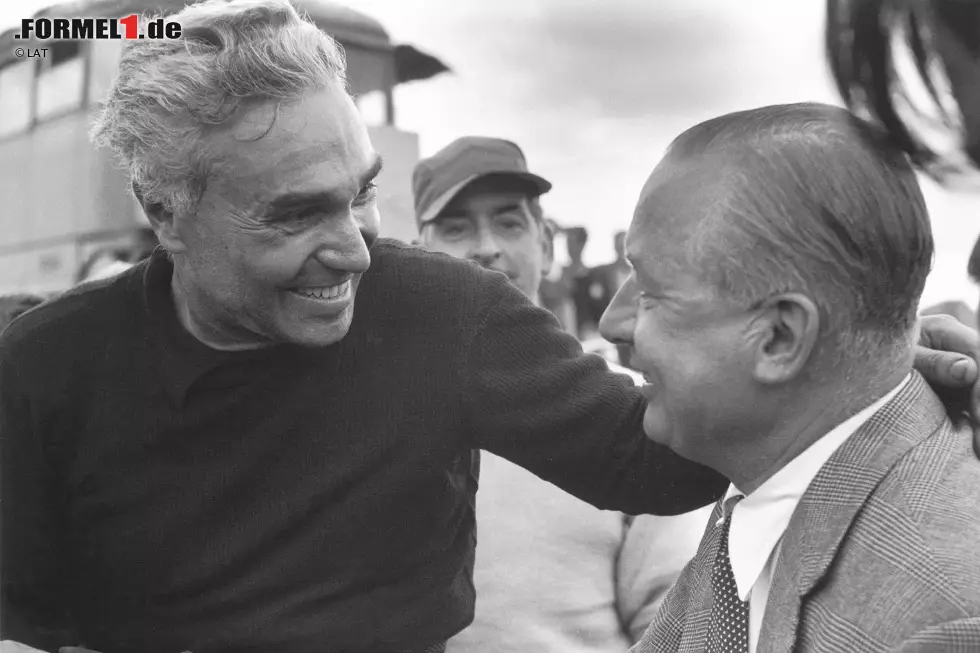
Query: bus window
point(103, 61)
point(60, 81)
point(15, 97)
point(62, 51)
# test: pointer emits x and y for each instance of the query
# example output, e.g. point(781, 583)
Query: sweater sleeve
point(534, 398)
point(33, 583)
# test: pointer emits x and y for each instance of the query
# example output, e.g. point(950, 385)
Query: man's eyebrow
point(456, 213)
point(643, 276)
point(322, 197)
point(373, 171)
point(299, 199)
point(516, 206)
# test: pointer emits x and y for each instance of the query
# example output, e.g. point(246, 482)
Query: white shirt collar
point(760, 519)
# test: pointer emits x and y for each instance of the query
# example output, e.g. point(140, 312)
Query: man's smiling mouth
point(339, 291)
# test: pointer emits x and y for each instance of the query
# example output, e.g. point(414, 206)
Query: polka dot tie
point(728, 631)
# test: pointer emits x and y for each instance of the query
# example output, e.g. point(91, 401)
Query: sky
point(595, 91)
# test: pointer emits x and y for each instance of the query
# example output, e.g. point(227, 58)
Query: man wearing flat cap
point(477, 182)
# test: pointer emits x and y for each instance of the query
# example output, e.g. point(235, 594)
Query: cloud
point(593, 92)
point(627, 59)
point(620, 59)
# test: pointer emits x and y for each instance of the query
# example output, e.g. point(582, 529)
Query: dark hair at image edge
point(861, 41)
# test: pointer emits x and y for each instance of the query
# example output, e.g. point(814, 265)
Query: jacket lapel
point(694, 638)
point(681, 626)
point(833, 500)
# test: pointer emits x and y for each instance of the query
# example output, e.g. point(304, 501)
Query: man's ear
point(548, 230)
point(785, 334)
point(162, 222)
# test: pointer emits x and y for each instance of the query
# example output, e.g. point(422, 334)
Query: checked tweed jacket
point(881, 554)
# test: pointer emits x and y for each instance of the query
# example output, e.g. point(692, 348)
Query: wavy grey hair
point(167, 94)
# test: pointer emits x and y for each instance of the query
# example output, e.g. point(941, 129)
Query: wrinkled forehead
point(283, 144)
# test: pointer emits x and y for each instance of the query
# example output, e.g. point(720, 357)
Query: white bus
point(61, 199)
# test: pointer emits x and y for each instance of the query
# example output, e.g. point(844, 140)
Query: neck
point(196, 319)
point(811, 414)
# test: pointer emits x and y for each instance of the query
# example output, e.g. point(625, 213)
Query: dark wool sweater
point(162, 496)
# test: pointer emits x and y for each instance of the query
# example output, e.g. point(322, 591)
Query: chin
point(656, 427)
point(318, 336)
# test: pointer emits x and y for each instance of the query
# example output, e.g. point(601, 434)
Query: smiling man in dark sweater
point(215, 452)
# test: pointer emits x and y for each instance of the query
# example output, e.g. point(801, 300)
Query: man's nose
point(619, 319)
point(485, 250)
point(346, 247)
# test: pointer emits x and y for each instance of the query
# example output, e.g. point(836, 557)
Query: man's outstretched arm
point(534, 398)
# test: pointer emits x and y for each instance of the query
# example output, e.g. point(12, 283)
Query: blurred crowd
point(102, 263)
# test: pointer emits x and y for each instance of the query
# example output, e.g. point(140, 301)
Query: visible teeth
point(325, 292)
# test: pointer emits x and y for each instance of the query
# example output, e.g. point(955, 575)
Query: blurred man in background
point(585, 287)
point(554, 294)
point(553, 574)
point(612, 276)
point(104, 263)
point(13, 306)
point(109, 261)
point(615, 274)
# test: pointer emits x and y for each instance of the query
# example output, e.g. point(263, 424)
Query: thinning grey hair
point(820, 203)
point(168, 93)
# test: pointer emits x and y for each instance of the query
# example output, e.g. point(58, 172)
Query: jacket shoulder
point(936, 486)
point(911, 551)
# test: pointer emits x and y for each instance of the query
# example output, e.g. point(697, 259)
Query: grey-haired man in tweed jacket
point(779, 255)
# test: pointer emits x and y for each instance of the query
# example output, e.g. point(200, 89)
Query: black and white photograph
point(503, 326)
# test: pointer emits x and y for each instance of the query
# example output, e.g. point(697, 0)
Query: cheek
point(369, 221)
point(671, 354)
point(526, 256)
point(215, 243)
point(250, 269)
point(280, 264)
point(650, 338)
point(455, 248)
point(705, 375)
